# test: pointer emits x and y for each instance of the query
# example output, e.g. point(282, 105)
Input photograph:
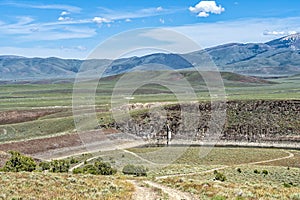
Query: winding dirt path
point(290, 155)
point(4, 131)
point(142, 193)
point(172, 193)
point(146, 193)
point(136, 155)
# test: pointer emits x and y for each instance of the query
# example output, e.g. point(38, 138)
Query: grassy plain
point(281, 182)
point(58, 97)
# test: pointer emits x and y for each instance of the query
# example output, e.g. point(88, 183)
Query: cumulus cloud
point(63, 16)
point(100, 20)
point(204, 8)
point(63, 13)
point(203, 14)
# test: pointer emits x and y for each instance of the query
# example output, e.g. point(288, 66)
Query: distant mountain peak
point(290, 41)
point(291, 38)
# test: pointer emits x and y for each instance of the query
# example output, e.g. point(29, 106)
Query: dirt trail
point(110, 148)
point(172, 193)
point(4, 131)
point(143, 193)
point(272, 160)
point(136, 155)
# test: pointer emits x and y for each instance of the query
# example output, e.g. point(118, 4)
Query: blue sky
point(72, 29)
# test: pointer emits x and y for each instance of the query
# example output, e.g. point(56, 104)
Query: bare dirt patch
point(3, 158)
point(42, 145)
point(17, 116)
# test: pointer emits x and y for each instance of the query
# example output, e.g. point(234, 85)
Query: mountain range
point(279, 57)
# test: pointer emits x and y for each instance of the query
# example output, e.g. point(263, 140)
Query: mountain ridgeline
point(280, 57)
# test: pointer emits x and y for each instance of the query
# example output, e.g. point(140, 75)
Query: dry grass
point(63, 186)
point(244, 185)
point(228, 156)
point(291, 162)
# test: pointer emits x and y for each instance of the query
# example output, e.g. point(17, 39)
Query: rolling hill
point(280, 57)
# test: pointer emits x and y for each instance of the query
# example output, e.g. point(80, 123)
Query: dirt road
point(290, 155)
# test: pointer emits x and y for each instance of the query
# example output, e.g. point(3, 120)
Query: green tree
point(19, 162)
point(59, 166)
point(104, 168)
point(98, 168)
point(44, 165)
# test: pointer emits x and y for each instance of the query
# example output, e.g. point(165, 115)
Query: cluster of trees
point(19, 163)
point(55, 166)
point(98, 168)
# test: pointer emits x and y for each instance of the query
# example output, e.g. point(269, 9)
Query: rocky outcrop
point(250, 121)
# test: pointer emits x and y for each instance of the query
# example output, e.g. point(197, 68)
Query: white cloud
point(203, 14)
point(25, 30)
point(61, 18)
point(204, 8)
point(274, 33)
point(159, 8)
point(292, 32)
point(127, 20)
point(279, 33)
point(63, 13)
point(124, 14)
point(68, 8)
point(212, 34)
point(23, 20)
point(59, 35)
point(100, 20)
point(78, 48)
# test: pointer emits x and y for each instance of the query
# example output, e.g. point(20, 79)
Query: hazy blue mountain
point(278, 57)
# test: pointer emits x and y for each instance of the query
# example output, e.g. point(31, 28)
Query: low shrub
point(138, 170)
point(59, 166)
point(104, 168)
point(287, 185)
point(295, 196)
point(265, 172)
point(98, 168)
point(73, 161)
point(219, 176)
point(44, 165)
point(218, 197)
